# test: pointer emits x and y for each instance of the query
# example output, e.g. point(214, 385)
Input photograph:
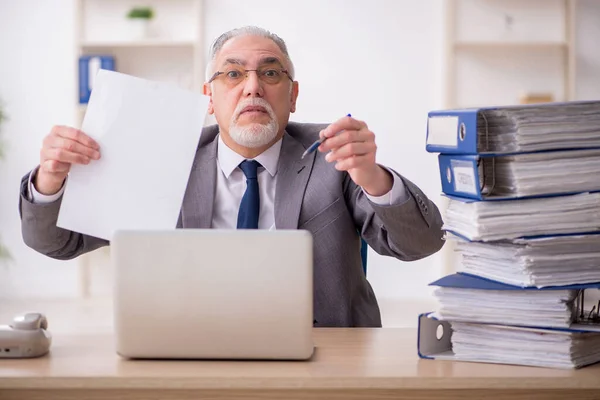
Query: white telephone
point(25, 337)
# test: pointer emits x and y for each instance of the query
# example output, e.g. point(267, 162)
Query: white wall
point(37, 86)
point(588, 51)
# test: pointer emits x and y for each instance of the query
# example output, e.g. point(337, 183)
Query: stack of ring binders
point(524, 215)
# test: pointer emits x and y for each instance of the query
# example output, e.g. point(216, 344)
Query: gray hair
point(246, 31)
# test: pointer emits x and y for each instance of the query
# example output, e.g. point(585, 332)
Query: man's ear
point(206, 90)
point(294, 96)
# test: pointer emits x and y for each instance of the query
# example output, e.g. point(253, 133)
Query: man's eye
point(233, 74)
point(271, 73)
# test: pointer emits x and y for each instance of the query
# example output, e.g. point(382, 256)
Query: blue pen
point(315, 145)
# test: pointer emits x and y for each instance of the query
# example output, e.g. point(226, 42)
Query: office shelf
point(499, 51)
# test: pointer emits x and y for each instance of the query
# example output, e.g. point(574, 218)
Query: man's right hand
point(61, 148)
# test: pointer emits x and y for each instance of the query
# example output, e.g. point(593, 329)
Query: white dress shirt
point(231, 185)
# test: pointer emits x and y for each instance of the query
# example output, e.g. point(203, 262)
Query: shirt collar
point(229, 160)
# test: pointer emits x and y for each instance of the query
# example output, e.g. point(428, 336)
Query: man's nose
point(253, 85)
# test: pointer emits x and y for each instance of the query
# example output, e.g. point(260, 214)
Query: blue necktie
point(250, 207)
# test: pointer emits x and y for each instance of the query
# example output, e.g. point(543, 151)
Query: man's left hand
point(351, 145)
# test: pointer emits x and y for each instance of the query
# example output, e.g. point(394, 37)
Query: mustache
point(256, 102)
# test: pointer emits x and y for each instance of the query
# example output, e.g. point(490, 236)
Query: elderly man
point(249, 173)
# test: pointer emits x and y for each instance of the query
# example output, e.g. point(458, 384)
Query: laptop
point(213, 294)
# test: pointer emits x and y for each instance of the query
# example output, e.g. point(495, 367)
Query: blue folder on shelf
point(88, 68)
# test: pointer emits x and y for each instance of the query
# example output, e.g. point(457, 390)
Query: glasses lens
point(270, 75)
point(234, 74)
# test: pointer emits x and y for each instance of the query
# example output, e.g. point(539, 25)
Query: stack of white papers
point(524, 346)
point(542, 173)
point(548, 308)
point(511, 219)
point(540, 262)
point(543, 127)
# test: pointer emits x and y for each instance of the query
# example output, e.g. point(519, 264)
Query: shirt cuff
point(36, 197)
point(396, 195)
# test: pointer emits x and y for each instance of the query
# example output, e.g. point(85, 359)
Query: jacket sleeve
point(410, 230)
point(39, 230)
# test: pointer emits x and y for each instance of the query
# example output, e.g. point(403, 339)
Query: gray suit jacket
point(310, 194)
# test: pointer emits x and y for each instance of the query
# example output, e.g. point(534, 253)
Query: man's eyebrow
point(262, 61)
point(237, 61)
point(270, 60)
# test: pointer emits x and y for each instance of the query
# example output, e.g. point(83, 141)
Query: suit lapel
point(197, 207)
point(292, 178)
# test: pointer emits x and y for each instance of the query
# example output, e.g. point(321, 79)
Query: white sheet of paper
point(148, 134)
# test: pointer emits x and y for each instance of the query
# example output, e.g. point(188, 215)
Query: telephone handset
point(25, 337)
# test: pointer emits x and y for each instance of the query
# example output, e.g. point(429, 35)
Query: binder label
point(464, 178)
point(442, 131)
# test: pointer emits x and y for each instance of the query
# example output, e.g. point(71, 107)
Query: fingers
point(75, 135)
point(351, 149)
point(348, 136)
point(73, 146)
point(65, 146)
point(352, 154)
point(345, 123)
point(350, 144)
point(63, 156)
point(356, 162)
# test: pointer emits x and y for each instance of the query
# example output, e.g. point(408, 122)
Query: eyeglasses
point(233, 75)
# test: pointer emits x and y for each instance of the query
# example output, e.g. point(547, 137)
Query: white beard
point(255, 134)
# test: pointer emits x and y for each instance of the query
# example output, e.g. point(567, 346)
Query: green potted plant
point(4, 254)
point(139, 21)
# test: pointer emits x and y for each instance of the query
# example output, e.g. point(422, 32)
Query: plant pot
point(138, 28)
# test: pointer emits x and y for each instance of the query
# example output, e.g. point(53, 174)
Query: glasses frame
point(218, 73)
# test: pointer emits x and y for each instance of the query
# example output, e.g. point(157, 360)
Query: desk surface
point(348, 363)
